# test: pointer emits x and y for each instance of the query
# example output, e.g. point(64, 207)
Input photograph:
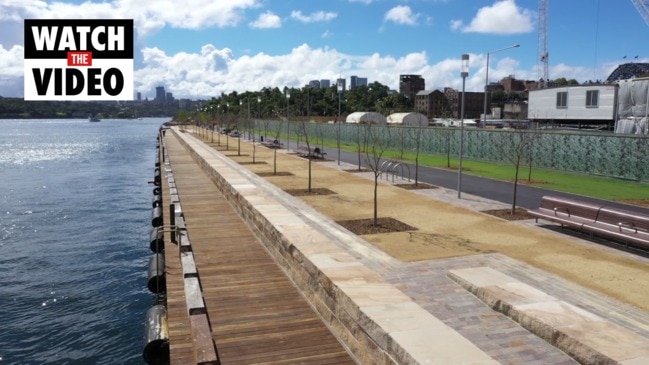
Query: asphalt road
point(528, 197)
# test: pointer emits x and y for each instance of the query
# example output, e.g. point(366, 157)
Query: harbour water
point(75, 208)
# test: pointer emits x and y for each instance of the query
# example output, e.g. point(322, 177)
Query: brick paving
point(427, 283)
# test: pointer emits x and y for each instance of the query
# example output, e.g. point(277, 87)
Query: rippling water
point(75, 208)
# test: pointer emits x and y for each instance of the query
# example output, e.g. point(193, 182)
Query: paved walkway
point(428, 284)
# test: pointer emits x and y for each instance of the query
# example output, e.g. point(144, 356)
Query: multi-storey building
point(355, 81)
point(410, 85)
point(160, 94)
point(432, 103)
point(473, 103)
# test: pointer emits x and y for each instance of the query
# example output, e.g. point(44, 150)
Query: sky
point(198, 49)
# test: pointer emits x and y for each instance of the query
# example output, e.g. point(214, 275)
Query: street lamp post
point(248, 122)
point(227, 126)
point(288, 126)
point(339, 87)
point(486, 82)
point(212, 122)
point(238, 131)
point(218, 123)
point(464, 72)
point(259, 111)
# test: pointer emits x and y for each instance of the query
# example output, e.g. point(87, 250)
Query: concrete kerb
point(348, 296)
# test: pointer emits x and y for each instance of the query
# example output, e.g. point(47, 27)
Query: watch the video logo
point(79, 59)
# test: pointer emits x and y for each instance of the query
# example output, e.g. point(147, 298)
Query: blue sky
point(201, 48)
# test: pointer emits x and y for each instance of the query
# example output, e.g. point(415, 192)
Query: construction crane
point(544, 56)
point(643, 9)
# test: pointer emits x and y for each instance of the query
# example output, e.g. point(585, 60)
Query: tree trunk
point(518, 164)
point(275, 161)
point(376, 199)
point(309, 157)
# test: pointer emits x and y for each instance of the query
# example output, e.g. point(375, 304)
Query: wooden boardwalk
point(256, 314)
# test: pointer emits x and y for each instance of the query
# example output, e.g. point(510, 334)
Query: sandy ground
point(446, 230)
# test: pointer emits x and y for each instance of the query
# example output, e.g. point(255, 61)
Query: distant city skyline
point(199, 49)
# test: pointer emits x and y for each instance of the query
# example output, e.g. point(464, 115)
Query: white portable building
point(408, 119)
point(366, 118)
point(574, 103)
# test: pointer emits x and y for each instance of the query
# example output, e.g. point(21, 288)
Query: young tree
point(239, 123)
point(359, 144)
point(415, 134)
point(266, 123)
point(376, 139)
point(276, 144)
point(251, 125)
point(319, 130)
point(515, 146)
point(182, 118)
point(302, 130)
point(401, 134)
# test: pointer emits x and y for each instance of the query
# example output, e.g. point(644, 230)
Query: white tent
point(409, 119)
point(366, 118)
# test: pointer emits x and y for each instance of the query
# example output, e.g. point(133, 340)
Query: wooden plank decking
point(257, 316)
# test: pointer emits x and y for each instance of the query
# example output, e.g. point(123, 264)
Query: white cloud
point(503, 17)
point(319, 16)
point(362, 1)
point(11, 72)
point(456, 24)
point(401, 14)
point(267, 20)
point(211, 70)
point(149, 15)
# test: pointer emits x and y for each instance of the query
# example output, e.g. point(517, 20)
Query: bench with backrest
point(272, 144)
point(613, 223)
point(302, 151)
point(316, 153)
point(623, 225)
point(567, 212)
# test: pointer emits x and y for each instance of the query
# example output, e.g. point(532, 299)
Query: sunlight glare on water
point(75, 209)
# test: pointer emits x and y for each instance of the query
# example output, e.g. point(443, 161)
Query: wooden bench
point(315, 153)
point(608, 222)
point(272, 144)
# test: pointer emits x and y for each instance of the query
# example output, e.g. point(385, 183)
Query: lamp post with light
point(227, 126)
point(464, 72)
point(339, 88)
point(248, 122)
point(288, 125)
point(238, 131)
point(486, 82)
point(212, 123)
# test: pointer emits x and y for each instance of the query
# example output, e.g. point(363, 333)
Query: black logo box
point(32, 53)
